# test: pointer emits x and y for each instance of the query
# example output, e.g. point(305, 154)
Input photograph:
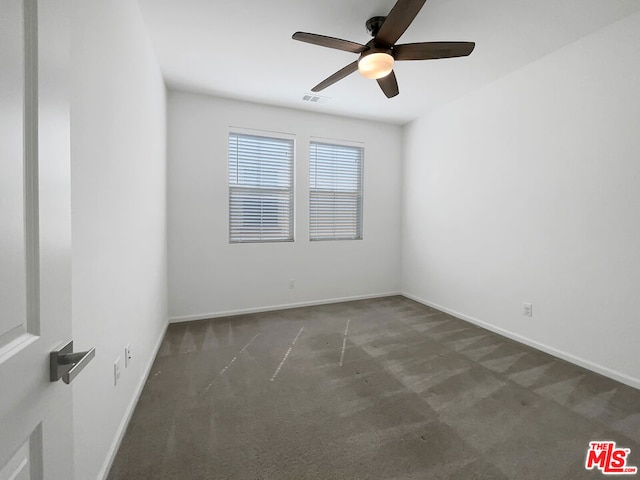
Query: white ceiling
point(243, 48)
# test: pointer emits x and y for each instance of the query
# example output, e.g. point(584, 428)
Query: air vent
point(308, 97)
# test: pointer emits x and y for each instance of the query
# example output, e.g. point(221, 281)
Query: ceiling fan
point(378, 55)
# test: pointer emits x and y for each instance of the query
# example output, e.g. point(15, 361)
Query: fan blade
point(339, 75)
point(398, 20)
point(389, 85)
point(330, 42)
point(431, 50)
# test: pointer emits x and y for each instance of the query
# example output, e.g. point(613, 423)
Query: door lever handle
point(66, 364)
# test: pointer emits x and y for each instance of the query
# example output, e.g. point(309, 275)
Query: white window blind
point(260, 189)
point(336, 192)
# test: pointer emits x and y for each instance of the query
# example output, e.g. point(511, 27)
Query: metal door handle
point(67, 365)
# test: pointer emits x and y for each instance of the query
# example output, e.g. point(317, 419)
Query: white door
point(35, 285)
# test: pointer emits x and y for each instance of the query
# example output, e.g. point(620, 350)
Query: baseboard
point(594, 367)
point(270, 308)
point(122, 428)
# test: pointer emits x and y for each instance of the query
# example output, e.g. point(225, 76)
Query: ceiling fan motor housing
point(374, 24)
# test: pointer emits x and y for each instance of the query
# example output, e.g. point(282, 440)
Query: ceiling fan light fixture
point(375, 65)
point(378, 55)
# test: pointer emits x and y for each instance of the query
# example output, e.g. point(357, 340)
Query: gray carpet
point(417, 394)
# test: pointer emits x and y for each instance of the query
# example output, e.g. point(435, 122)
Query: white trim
point(594, 367)
point(262, 133)
point(15, 345)
point(270, 308)
point(122, 428)
point(337, 141)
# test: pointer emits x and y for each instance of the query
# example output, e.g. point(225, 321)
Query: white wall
point(208, 276)
point(528, 190)
point(118, 217)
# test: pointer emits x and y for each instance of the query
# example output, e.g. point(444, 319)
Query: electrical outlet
point(127, 356)
point(116, 371)
point(527, 309)
point(292, 284)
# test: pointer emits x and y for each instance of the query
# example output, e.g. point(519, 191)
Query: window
point(260, 189)
point(335, 192)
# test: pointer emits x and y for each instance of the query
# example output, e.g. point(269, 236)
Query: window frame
point(359, 192)
point(291, 188)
